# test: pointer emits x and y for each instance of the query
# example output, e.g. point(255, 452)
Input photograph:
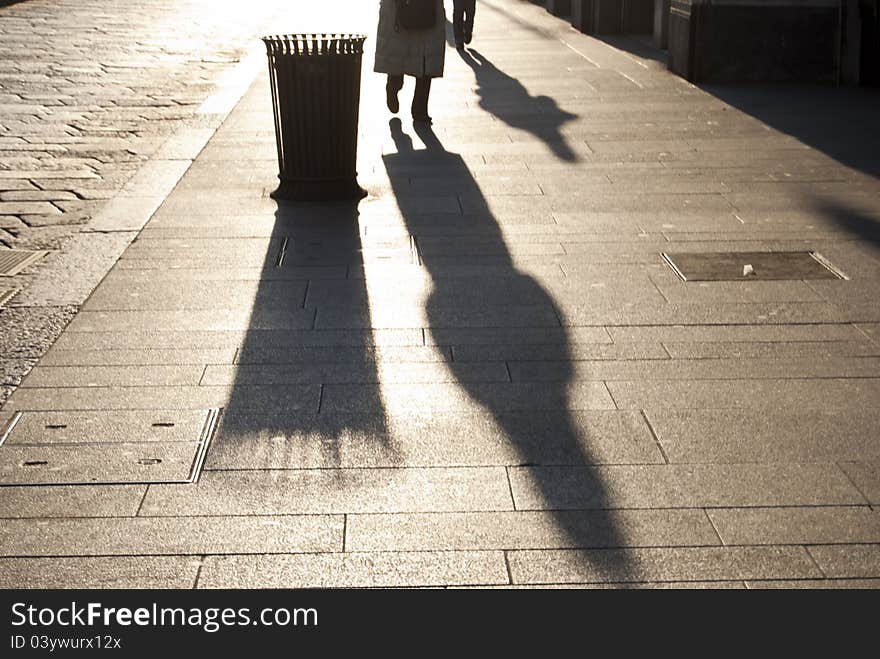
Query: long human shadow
point(505, 98)
point(841, 123)
point(273, 418)
point(861, 225)
point(545, 437)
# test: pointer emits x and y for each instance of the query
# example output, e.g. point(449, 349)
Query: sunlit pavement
point(485, 373)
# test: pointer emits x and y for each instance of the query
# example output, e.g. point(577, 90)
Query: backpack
point(416, 14)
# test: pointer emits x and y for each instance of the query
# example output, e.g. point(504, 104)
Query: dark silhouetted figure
point(417, 53)
point(463, 21)
point(546, 437)
point(505, 97)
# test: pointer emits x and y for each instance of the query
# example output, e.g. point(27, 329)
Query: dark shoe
point(391, 101)
point(467, 37)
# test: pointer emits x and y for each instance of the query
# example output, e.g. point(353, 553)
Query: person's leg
point(458, 8)
point(468, 27)
point(392, 87)
point(420, 100)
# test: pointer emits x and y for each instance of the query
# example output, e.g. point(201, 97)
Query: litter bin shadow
point(547, 439)
point(273, 418)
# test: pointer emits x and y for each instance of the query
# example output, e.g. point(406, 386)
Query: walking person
point(463, 21)
point(411, 40)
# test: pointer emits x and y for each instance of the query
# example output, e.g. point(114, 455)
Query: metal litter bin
point(316, 88)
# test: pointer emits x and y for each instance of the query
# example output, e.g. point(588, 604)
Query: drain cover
point(745, 266)
point(6, 294)
point(105, 447)
point(13, 261)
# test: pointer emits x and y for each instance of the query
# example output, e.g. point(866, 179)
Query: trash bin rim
point(314, 43)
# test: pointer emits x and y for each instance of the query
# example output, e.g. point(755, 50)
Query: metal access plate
point(102, 427)
point(13, 261)
point(6, 294)
point(751, 266)
point(152, 462)
point(105, 447)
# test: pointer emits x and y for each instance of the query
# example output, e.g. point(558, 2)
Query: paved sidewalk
point(484, 374)
point(102, 107)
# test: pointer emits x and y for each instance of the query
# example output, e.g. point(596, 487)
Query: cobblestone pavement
point(90, 91)
point(485, 373)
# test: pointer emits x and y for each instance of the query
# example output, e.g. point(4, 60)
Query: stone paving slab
point(438, 440)
point(171, 536)
point(847, 561)
point(543, 352)
point(796, 526)
point(212, 319)
point(197, 296)
point(727, 436)
point(682, 486)
point(100, 572)
point(225, 339)
point(821, 584)
point(357, 355)
point(71, 501)
point(865, 476)
point(698, 369)
point(502, 336)
point(737, 333)
point(774, 350)
point(787, 313)
point(134, 357)
point(528, 530)
point(362, 570)
point(333, 491)
point(666, 564)
point(830, 394)
point(353, 373)
point(113, 376)
point(399, 399)
point(256, 397)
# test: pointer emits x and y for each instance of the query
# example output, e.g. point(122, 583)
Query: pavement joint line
point(459, 549)
point(611, 395)
point(851, 481)
point(510, 487)
point(9, 426)
point(861, 331)
point(137, 513)
point(548, 511)
point(202, 559)
point(714, 528)
point(320, 399)
point(652, 431)
point(549, 465)
point(815, 562)
point(499, 551)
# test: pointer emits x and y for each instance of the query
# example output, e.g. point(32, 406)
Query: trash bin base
point(334, 190)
